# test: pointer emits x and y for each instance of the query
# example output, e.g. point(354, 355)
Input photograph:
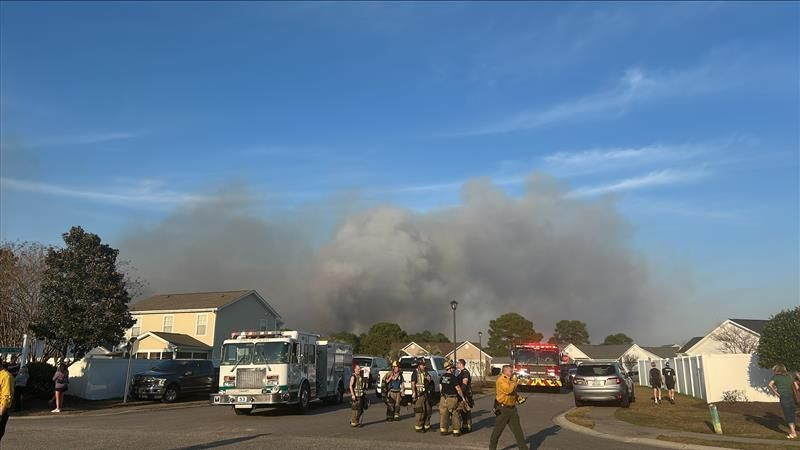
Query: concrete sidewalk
point(608, 426)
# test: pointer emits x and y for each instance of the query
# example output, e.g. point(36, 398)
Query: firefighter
point(452, 396)
point(465, 407)
point(421, 389)
point(357, 385)
point(392, 387)
point(506, 401)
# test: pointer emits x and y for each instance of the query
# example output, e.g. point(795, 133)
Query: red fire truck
point(537, 364)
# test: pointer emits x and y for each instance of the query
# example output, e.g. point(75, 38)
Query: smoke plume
point(543, 254)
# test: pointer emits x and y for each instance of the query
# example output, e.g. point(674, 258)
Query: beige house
point(476, 359)
point(193, 326)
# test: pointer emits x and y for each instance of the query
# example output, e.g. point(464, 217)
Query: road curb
point(116, 412)
point(562, 421)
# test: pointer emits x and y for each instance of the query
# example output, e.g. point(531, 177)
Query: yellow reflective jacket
point(6, 389)
point(506, 391)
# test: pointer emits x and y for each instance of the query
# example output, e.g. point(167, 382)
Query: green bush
point(778, 342)
point(40, 380)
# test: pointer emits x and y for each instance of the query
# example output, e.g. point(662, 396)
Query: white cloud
point(665, 177)
point(145, 194)
point(82, 139)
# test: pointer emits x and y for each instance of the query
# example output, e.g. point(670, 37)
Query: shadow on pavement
point(224, 442)
point(537, 439)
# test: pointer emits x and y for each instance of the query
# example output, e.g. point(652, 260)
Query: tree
point(506, 329)
point(570, 332)
point(84, 296)
point(617, 339)
point(379, 338)
point(734, 340)
point(778, 342)
point(631, 362)
point(427, 336)
point(22, 267)
point(347, 338)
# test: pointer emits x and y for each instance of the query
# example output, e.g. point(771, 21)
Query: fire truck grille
point(250, 378)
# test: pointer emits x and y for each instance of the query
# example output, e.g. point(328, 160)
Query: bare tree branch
point(734, 340)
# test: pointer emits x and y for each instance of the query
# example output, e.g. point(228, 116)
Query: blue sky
point(686, 115)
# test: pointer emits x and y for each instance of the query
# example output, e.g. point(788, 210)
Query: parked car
point(170, 379)
point(370, 366)
point(568, 374)
point(598, 381)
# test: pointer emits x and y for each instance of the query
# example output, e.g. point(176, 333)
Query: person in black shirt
point(465, 407)
point(669, 381)
point(448, 405)
point(655, 382)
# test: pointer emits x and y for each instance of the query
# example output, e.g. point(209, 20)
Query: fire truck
point(267, 369)
point(537, 364)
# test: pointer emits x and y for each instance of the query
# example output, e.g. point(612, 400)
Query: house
point(193, 325)
point(476, 359)
point(627, 354)
point(730, 337)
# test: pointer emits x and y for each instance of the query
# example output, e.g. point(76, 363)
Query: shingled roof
point(690, 344)
point(180, 340)
point(756, 325)
point(195, 300)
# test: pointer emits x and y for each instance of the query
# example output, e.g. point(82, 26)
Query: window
point(271, 353)
point(167, 355)
point(585, 370)
point(295, 352)
point(202, 321)
point(263, 325)
point(155, 355)
point(184, 355)
point(141, 355)
point(136, 329)
point(167, 328)
point(200, 355)
point(238, 353)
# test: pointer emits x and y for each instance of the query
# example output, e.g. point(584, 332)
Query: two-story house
point(193, 326)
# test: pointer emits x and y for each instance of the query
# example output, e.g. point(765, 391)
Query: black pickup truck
point(169, 379)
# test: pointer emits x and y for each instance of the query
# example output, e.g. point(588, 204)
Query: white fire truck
point(264, 369)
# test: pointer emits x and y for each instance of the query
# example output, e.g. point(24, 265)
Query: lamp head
point(454, 305)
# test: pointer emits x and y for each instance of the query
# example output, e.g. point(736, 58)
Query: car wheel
point(305, 398)
point(579, 403)
point(243, 411)
point(170, 393)
point(626, 400)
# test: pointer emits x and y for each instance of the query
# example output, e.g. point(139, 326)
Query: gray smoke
point(544, 255)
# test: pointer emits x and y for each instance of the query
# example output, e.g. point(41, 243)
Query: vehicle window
point(271, 353)
point(363, 362)
point(596, 370)
point(238, 353)
point(408, 363)
point(549, 358)
point(165, 366)
point(429, 364)
point(525, 356)
point(296, 352)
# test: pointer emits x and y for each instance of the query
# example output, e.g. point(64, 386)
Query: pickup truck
point(434, 365)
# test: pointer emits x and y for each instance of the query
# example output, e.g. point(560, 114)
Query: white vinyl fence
point(102, 378)
point(716, 377)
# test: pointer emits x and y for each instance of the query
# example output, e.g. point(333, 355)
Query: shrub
point(734, 396)
point(778, 342)
point(40, 380)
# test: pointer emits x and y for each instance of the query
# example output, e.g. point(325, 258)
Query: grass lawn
point(724, 444)
point(578, 416)
point(752, 419)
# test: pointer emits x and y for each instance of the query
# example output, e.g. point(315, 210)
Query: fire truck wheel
point(305, 398)
point(242, 411)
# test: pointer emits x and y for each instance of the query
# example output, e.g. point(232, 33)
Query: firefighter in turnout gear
point(465, 407)
point(421, 390)
point(357, 385)
point(452, 396)
point(392, 387)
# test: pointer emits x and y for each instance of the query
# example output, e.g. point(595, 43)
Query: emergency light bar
point(538, 346)
point(256, 334)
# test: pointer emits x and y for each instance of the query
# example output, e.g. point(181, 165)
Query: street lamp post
point(454, 305)
point(480, 353)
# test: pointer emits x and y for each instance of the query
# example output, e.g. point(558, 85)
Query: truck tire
point(171, 393)
point(243, 411)
point(304, 401)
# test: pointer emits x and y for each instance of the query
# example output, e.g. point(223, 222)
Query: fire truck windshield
point(260, 353)
point(529, 356)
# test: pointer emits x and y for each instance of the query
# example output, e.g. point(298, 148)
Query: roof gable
point(688, 346)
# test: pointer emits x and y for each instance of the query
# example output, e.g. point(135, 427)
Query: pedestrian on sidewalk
point(61, 380)
point(20, 384)
point(6, 396)
point(669, 381)
point(505, 406)
point(655, 382)
point(781, 385)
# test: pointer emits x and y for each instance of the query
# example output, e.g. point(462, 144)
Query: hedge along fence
point(40, 380)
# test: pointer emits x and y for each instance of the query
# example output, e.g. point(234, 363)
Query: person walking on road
point(669, 381)
point(61, 380)
point(356, 387)
point(465, 407)
point(655, 382)
point(392, 387)
point(421, 388)
point(6, 396)
point(506, 400)
point(452, 395)
point(20, 384)
point(781, 384)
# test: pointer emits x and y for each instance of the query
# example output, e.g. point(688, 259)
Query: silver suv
point(602, 381)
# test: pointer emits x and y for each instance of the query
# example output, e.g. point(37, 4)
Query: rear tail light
point(579, 381)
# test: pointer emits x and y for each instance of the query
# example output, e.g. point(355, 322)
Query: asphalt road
point(325, 427)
